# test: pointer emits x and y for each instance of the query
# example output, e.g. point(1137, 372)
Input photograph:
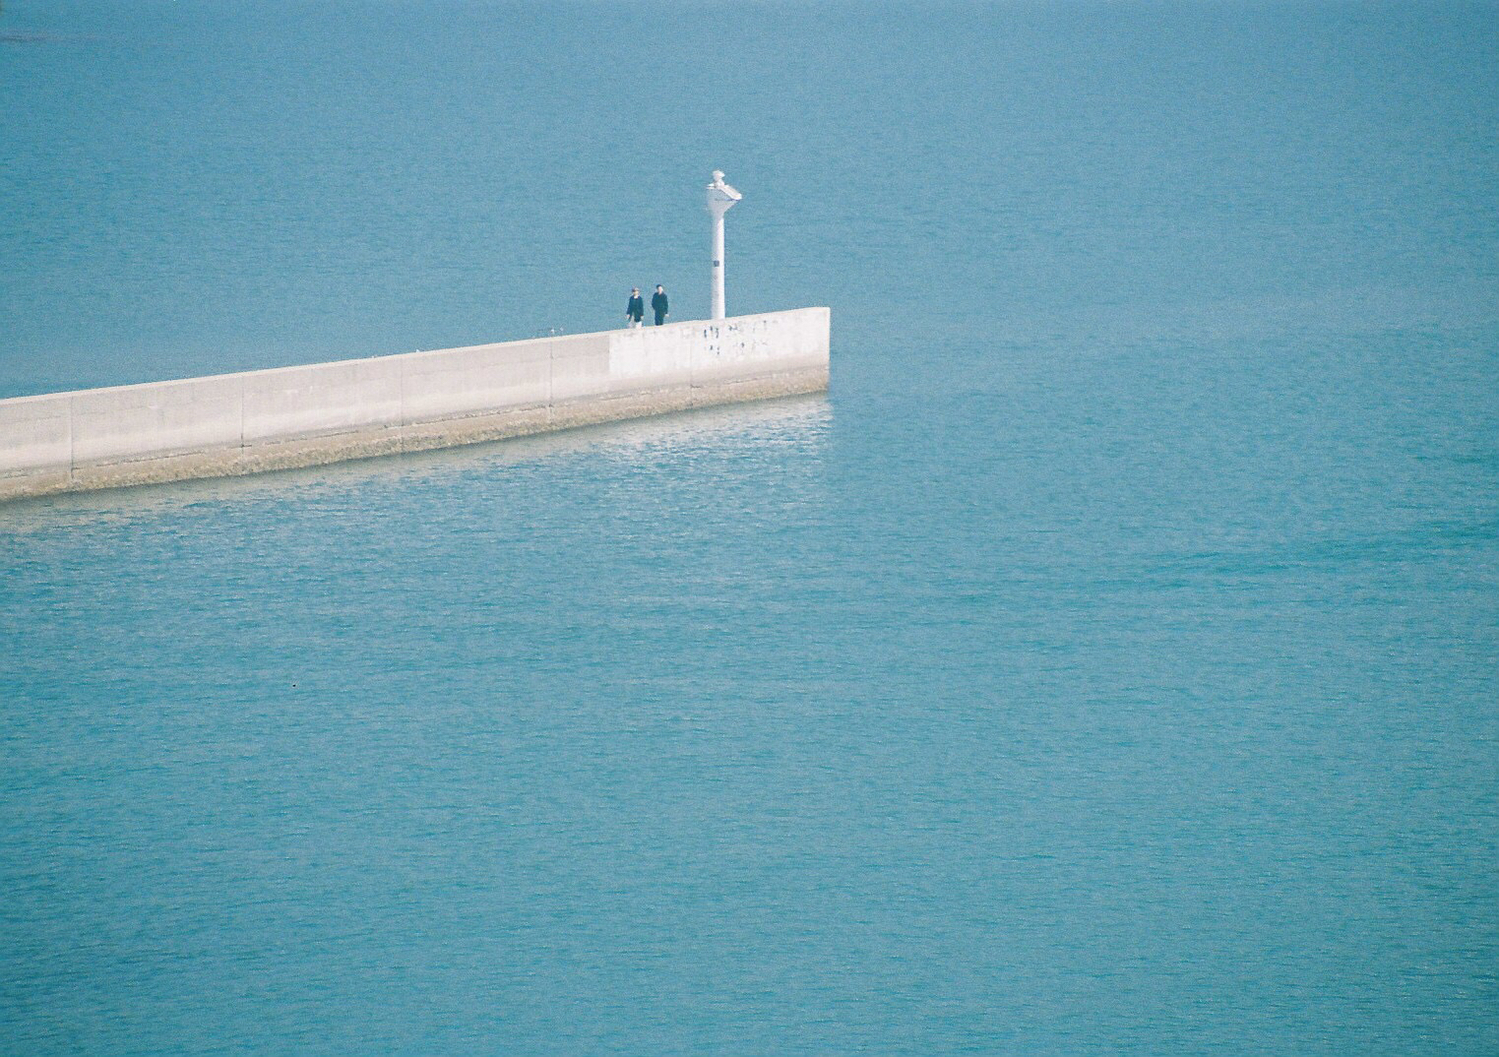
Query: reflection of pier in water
point(799, 420)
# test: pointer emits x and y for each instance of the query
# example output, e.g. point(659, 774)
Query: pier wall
point(286, 417)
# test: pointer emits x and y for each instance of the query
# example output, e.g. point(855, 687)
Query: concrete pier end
point(288, 417)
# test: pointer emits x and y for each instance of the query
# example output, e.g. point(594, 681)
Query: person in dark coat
point(659, 304)
point(635, 310)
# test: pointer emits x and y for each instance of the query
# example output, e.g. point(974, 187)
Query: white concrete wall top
point(153, 420)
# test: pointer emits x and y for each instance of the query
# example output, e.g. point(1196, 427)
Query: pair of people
point(635, 310)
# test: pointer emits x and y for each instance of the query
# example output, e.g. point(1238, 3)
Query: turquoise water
point(1109, 664)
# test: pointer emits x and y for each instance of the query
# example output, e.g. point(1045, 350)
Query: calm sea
point(1108, 665)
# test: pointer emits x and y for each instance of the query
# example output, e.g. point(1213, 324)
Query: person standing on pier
point(659, 304)
point(635, 310)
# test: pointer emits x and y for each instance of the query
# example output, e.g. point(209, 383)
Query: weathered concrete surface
point(289, 417)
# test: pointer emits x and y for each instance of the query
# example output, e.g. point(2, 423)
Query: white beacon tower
point(721, 198)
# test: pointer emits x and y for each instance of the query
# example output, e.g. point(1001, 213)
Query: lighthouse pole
point(721, 198)
point(718, 295)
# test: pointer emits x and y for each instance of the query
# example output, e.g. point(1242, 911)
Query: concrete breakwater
point(230, 424)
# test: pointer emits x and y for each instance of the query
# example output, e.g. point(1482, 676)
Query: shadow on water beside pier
point(792, 417)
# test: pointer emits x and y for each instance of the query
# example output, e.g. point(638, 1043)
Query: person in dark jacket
point(635, 310)
point(659, 304)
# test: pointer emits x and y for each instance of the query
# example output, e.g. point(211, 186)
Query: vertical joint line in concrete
point(72, 441)
point(401, 421)
point(551, 378)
